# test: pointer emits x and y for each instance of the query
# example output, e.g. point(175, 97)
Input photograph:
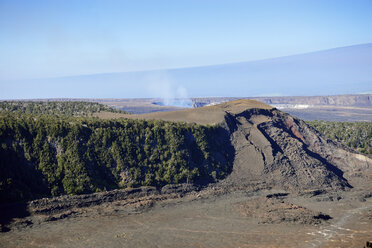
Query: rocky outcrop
point(284, 152)
point(337, 154)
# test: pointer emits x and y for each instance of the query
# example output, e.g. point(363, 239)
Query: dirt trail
point(339, 231)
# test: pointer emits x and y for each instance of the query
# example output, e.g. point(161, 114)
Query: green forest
point(63, 108)
point(356, 135)
point(48, 155)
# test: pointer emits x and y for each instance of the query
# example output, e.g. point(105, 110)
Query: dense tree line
point(65, 108)
point(357, 135)
point(46, 155)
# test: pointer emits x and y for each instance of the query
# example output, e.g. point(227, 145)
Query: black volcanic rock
point(284, 152)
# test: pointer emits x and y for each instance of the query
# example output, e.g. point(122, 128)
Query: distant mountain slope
point(345, 70)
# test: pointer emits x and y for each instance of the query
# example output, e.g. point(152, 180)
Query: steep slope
point(270, 149)
point(274, 148)
point(43, 155)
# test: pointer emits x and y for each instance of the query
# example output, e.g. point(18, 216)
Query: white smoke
point(160, 85)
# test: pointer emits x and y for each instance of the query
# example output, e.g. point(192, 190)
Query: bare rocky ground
point(217, 216)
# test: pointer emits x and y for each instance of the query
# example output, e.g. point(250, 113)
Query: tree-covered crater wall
point(48, 155)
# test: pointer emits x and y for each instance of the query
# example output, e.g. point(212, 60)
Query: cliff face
point(337, 100)
point(50, 156)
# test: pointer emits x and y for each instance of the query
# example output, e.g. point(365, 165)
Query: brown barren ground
point(203, 219)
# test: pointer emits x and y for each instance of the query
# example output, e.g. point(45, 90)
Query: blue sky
point(40, 39)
